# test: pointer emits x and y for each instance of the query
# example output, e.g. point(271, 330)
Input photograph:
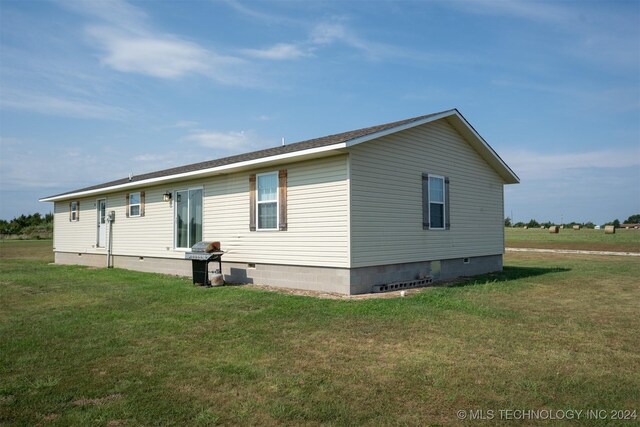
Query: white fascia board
point(430, 119)
point(197, 173)
point(400, 128)
point(484, 143)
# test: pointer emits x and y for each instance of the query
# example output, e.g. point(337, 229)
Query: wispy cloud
point(164, 57)
point(225, 142)
point(280, 51)
point(118, 13)
point(269, 18)
point(598, 34)
point(536, 11)
point(129, 44)
point(59, 167)
point(59, 106)
point(185, 124)
point(612, 99)
point(537, 166)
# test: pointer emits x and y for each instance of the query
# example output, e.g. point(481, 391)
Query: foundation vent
point(397, 286)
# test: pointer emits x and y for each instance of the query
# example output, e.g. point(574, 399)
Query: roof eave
point(309, 153)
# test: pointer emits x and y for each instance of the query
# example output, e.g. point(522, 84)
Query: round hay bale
point(525, 227)
point(576, 227)
point(609, 229)
point(554, 229)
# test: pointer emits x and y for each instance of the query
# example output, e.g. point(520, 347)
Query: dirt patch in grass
point(334, 296)
point(97, 401)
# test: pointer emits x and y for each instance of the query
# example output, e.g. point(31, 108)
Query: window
point(268, 201)
point(435, 209)
point(188, 221)
point(74, 210)
point(135, 204)
point(436, 202)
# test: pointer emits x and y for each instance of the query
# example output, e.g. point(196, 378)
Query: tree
point(533, 224)
point(507, 222)
point(633, 219)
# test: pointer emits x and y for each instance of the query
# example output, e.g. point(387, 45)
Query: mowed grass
point(87, 346)
point(584, 239)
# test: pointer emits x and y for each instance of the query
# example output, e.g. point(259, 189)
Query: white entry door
point(102, 223)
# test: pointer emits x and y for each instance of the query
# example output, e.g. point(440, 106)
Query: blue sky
point(93, 90)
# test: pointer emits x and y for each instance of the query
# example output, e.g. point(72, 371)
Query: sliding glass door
point(188, 221)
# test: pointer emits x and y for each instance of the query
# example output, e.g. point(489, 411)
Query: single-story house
point(414, 200)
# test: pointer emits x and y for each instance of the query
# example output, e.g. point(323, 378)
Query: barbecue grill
point(202, 253)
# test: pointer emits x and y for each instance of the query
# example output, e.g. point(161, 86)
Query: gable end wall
point(386, 198)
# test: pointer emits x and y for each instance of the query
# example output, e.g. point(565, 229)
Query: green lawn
point(83, 346)
point(584, 239)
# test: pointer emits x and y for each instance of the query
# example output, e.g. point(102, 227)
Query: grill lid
point(207, 247)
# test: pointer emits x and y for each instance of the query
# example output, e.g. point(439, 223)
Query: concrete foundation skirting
point(363, 278)
point(324, 279)
point(179, 267)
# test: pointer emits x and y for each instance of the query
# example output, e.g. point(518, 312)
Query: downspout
point(110, 218)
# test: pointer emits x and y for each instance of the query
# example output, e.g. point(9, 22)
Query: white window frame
point(174, 197)
point(74, 211)
point(139, 204)
point(443, 203)
point(277, 201)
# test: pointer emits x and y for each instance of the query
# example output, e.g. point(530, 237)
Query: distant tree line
point(633, 219)
point(29, 226)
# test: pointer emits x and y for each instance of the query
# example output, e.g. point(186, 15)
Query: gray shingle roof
point(290, 148)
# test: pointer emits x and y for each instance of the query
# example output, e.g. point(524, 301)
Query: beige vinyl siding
point(386, 198)
point(149, 235)
point(75, 236)
point(317, 219)
point(317, 235)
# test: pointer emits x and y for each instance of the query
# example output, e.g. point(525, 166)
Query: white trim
point(400, 128)
point(98, 222)
point(139, 205)
point(147, 182)
point(443, 203)
point(175, 216)
point(277, 227)
point(349, 201)
point(77, 211)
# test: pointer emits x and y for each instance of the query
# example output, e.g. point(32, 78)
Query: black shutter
point(70, 211)
point(127, 212)
point(447, 204)
point(282, 196)
point(142, 203)
point(252, 202)
point(425, 201)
